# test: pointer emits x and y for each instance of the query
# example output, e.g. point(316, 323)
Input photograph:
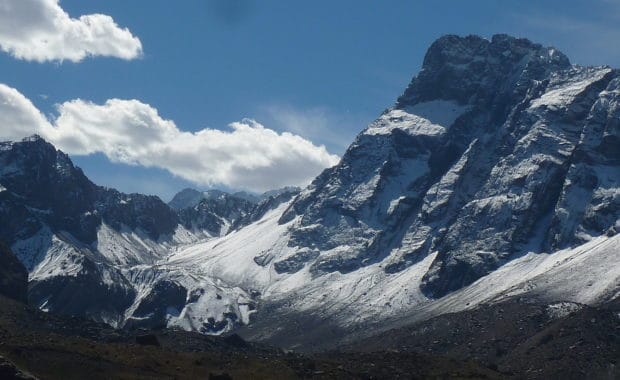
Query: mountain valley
point(473, 228)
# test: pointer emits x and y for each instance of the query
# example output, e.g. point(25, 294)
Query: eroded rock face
point(165, 298)
point(96, 291)
point(496, 148)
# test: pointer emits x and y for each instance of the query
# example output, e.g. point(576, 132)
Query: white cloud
point(18, 116)
point(247, 156)
point(40, 30)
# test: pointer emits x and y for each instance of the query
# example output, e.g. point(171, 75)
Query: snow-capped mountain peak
point(494, 175)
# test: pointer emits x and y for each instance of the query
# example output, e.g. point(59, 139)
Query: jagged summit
point(474, 70)
point(34, 138)
point(186, 198)
point(219, 212)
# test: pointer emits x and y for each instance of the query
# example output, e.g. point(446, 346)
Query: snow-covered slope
point(96, 252)
point(372, 298)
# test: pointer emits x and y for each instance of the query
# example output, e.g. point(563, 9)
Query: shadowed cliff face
point(42, 187)
point(13, 276)
point(496, 148)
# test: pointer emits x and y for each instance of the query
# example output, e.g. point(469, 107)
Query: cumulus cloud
point(40, 30)
point(248, 155)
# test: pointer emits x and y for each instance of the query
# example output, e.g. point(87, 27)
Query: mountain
point(495, 149)
point(494, 177)
point(186, 198)
point(72, 235)
point(217, 212)
point(500, 159)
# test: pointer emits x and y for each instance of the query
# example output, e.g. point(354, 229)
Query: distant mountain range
point(217, 212)
point(494, 177)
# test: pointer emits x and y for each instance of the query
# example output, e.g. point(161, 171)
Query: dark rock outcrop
point(13, 276)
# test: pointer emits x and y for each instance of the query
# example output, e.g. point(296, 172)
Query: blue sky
point(321, 70)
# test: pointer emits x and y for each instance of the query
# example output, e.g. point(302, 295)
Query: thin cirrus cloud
point(40, 30)
point(247, 156)
point(586, 38)
point(319, 124)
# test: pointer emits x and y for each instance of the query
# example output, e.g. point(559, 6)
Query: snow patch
point(47, 255)
point(394, 203)
point(562, 309)
point(565, 91)
point(430, 119)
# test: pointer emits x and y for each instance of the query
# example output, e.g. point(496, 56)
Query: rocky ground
point(44, 346)
point(503, 341)
point(519, 340)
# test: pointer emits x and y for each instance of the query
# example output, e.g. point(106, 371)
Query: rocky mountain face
point(42, 187)
point(218, 212)
point(495, 149)
point(59, 224)
point(215, 212)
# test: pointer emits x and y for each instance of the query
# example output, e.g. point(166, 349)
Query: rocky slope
point(518, 339)
point(55, 347)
